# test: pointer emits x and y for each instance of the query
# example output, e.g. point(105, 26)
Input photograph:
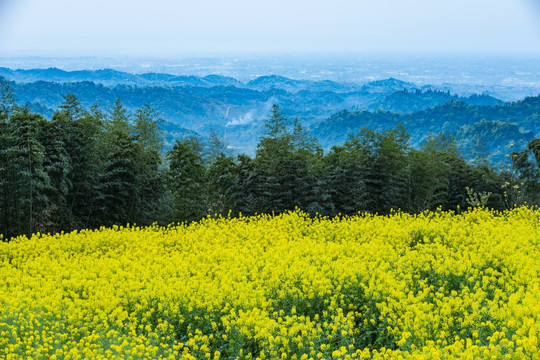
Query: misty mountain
point(192, 105)
point(198, 108)
point(294, 86)
point(387, 86)
point(194, 101)
point(110, 77)
point(406, 101)
point(497, 130)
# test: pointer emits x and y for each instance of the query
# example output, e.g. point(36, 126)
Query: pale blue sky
point(171, 28)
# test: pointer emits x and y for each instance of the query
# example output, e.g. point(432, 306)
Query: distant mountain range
point(112, 77)
point(194, 105)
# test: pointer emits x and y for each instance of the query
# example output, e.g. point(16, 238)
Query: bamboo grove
point(100, 167)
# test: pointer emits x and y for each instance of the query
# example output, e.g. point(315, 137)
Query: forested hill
point(195, 105)
point(491, 129)
point(191, 105)
point(406, 101)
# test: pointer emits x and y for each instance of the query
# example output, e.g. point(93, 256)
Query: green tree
point(27, 178)
point(428, 173)
point(273, 166)
point(343, 175)
point(307, 165)
point(528, 174)
point(221, 184)
point(119, 118)
point(79, 131)
point(187, 180)
point(87, 168)
point(70, 109)
point(150, 173)
point(215, 148)
point(7, 104)
point(383, 158)
point(284, 166)
point(245, 192)
point(57, 166)
point(7, 100)
point(534, 147)
point(118, 183)
point(120, 155)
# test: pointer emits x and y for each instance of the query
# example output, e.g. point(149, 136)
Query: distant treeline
point(86, 169)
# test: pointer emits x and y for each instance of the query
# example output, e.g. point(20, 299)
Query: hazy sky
point(161, 28)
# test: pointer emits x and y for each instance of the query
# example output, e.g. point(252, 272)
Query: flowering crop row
point(430, 286)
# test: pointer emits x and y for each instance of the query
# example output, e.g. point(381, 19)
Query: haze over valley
point(233, 96)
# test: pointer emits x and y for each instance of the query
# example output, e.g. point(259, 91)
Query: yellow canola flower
point(429, 286)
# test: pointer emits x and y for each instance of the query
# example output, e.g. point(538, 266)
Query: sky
point(172, 28)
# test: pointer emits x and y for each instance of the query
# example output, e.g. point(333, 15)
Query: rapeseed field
point(430, 286)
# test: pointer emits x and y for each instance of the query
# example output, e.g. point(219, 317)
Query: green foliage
point(57, 165)
point(28, 180)
point(84, 145)
point(383, 166)
point(216, 148)
point(91, 168)
point(222, 174)
point(343, 176)
point(71, 109)
point(186, 180)
point(497, 127)
point(245, 191)
point(150, 182)
point(528, 173)
point(7, 100)
point(534, 147)
point(80, 169)
point(406, 101)
point(475, 199)
point(284, 166)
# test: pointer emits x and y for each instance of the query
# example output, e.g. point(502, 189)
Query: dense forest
point(99, 167)
point(497, 129)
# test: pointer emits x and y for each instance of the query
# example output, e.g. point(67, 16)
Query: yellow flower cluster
point(430, 286)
